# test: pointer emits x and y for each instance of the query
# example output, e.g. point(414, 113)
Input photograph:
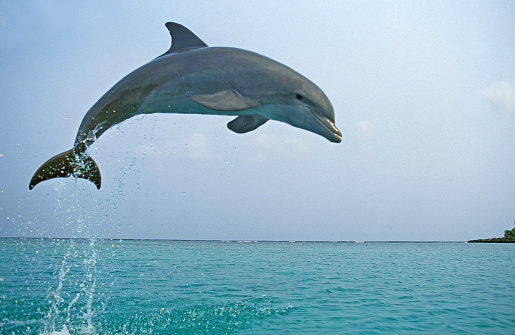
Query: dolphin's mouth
point(332, 133)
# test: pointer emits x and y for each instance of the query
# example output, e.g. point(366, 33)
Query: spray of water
point(71, 301)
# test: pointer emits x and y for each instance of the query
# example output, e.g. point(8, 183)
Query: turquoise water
point(192, 287)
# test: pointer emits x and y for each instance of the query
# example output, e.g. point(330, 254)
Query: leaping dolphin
point(192, 78)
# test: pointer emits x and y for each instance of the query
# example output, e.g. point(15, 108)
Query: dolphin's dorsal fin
point(182, 39)
point(246, 123)
point(227, 100)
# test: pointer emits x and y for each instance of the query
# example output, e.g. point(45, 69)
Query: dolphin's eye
point(299, 96)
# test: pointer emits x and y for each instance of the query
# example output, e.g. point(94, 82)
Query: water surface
point(73, 286)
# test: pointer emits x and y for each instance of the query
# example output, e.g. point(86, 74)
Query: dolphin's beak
point(329, 130)
point(335, 134)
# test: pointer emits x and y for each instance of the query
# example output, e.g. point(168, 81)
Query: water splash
point(71, 301)
point(57, 300)
point(90, 288)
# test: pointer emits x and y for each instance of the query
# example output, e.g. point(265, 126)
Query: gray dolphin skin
point(192, 78)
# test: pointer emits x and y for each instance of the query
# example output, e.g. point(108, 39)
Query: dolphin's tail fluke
point(74, 162)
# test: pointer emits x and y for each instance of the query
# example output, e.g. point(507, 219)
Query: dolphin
point(192, 78)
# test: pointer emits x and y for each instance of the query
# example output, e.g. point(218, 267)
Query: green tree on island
point(509, 234)
point(509, 237)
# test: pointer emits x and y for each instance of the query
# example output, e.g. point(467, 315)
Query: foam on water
point(63, 331)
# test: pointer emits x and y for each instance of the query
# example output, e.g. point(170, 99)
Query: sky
point(423, 92)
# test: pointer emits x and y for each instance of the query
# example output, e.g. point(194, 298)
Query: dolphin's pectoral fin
point(182, 39)
point(227, 100)
point(246, 123)
point(66, 164)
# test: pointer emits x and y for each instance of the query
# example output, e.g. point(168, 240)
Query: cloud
point(364, 128)
point(266, 145)
point(198, 146)
point(501, 94)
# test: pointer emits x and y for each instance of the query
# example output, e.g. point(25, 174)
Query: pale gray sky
point(423, 92)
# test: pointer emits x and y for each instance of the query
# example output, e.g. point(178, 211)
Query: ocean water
point(80, 286)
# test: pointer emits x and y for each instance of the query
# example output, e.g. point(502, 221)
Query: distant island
point(509, 237)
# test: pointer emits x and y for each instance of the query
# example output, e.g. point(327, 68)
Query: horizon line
point(234, 240)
